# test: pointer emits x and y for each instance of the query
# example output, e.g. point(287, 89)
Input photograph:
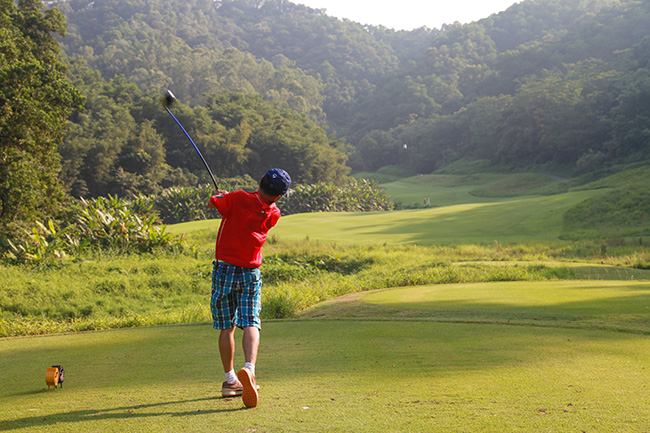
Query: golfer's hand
point(220, 193)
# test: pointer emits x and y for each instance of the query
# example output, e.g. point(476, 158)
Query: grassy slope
point(612, 305)
point(481, 207)
point(110, 291)
point(467, 208)
point(104, 291)
point(451, 189)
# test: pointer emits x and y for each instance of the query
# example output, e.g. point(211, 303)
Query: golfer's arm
point(220, 194)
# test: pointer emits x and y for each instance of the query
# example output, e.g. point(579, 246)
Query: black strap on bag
point(61, 374)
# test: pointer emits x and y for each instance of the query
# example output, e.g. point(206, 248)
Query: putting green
point(445, 190)
point(414, 193)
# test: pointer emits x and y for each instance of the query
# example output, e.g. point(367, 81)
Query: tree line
point(574, 98)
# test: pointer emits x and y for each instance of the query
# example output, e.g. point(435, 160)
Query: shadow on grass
point(124, 412)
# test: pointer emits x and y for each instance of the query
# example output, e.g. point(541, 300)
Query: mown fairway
point(447, 190)
point(516, 220)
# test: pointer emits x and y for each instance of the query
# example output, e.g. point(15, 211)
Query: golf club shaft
point(195, 148)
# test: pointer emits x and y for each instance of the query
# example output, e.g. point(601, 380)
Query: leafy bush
point(111, 224)
point(182, 204)
point(142, 205)
point(43, 244)
point(103, 223)
point(358, 195)
point(135, 225)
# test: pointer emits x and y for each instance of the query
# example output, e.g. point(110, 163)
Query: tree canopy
point(35, 100)
point(564, 73)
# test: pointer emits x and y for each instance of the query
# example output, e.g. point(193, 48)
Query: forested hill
point(565, 82)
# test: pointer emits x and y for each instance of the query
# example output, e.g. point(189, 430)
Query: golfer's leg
point(227, 348)
point(246, 375)
point(250, 305)
point(251, 342)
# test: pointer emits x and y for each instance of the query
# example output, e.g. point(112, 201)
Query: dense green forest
point(35, 101)
point(560, 84)
point(563, 82)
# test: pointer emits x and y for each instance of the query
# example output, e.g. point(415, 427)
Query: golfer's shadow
point(124, 412)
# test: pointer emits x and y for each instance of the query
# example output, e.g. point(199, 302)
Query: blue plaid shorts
point(236, 296)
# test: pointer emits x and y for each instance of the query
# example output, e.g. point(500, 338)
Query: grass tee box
point(334, 375)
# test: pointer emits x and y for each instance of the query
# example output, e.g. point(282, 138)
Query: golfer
point(236, 282)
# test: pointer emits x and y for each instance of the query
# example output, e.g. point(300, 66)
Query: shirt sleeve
point(222, 203)
point(275, 216)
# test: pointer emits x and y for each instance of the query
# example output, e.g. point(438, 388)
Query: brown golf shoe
point(234, 389)
point(249, 394)
point(231, 389)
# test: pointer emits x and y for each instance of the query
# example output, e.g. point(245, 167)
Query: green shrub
point(358, 195)
point(142, 205)
point(43, 244)
point(279, 305)
point(184, 204)
point(109, 223)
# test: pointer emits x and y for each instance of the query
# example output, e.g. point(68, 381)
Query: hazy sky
point(410, 14)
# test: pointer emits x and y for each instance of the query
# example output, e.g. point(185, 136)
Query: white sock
point(231, 377)
point(251, 367)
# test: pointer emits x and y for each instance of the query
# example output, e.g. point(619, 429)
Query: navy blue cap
point(278, 181)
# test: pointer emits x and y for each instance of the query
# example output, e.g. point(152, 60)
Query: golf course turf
point(363, 360)
point(514, 339)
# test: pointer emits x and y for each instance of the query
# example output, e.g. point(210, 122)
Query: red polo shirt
point(246, 220)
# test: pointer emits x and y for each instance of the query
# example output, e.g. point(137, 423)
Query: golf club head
point(168, 99)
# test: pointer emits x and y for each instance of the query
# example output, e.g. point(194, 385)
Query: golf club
point(167, 101)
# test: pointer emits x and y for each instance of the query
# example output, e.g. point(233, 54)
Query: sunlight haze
point(410, 14)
